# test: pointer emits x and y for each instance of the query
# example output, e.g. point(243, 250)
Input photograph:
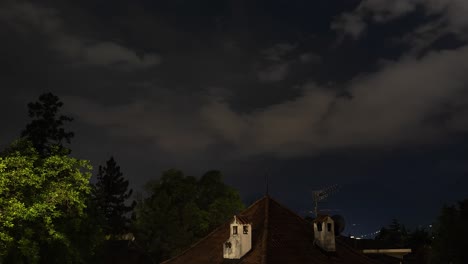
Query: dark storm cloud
point(276, 72)
point(277, 61)
point(450, 15)
point(79, 50)
point(390, 106)
point(170, 127)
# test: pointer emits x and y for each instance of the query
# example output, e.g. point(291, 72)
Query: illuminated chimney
point(324, 233)
point(240, 239)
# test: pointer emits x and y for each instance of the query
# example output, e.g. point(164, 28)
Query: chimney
point(324, 233)
point(240, 239)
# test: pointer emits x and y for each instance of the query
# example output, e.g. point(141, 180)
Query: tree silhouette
point(46, 130)
point(395, 234)
point(181, 209)
point(451, 234)
point(110, 193)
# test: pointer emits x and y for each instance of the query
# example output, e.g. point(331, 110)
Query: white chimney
point(240, 239)
point(324, 233)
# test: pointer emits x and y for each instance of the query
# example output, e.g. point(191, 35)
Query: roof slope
point(210, 248)
point(291, 240)
point(278, 236)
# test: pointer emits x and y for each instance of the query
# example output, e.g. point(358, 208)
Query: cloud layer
point(394, 106)
point(401, 102)
point(451, 14)
point(78, 50)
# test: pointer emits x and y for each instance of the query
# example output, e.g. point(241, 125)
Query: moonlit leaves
point(38, 192)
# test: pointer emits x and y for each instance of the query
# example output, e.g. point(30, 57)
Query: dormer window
point(324, 236)
point(238, 243)
point(319, 227)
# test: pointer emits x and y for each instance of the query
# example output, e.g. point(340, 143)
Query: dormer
point(324, 233)
point(240, 238)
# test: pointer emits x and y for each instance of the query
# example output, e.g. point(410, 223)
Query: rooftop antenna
point(266, 183)
point(322, 194)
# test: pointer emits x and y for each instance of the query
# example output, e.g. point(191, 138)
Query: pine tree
point(110, 193)
point(46, 130)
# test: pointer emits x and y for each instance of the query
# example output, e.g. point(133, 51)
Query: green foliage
point(451, 235)
point(109, 194)
point(41, 199)
point(181, 209)
point(46, 130)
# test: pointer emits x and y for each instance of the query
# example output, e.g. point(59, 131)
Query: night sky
point(371, 95)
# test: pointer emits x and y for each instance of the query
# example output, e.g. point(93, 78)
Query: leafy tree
point(110, 193)
point(420, 241)
point(46, 128)
point(217, 199)
point(451, 235)
point(42, 203)
point(419, 238)
point(395, 234)
point(181, 209)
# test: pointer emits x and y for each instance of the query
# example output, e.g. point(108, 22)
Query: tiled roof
point(278, 236)
point(242, 220)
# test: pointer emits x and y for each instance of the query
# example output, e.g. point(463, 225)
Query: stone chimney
point(324, 233)
point(240, 239)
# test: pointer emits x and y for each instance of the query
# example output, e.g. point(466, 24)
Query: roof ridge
point(212, 232)
point(252, 205)
point(265, 230)
point(291, 211)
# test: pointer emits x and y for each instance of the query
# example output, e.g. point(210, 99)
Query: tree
point(110, 194)
point(181, 209)
point(451, 235)
point(46, 128)
point(419, 238)
point(395, 234)
point(42, 203)
point(219, 200)
point(420, 242)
